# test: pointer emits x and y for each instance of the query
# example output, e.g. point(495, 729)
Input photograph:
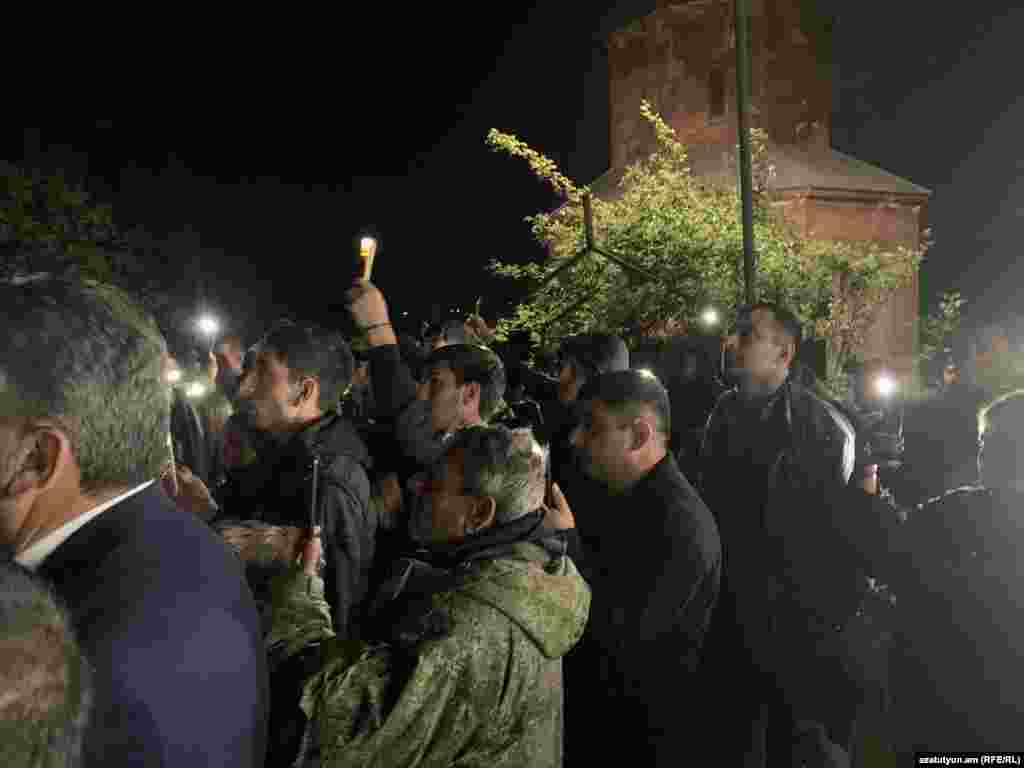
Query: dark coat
point(768, 477)
point(188, 435)
point(162, 612)
point(277, 490)
point(957, 670)
point(775, 476)
point(941, 445)
point(654, 563)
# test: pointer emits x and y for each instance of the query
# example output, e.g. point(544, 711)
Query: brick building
point(682, 57)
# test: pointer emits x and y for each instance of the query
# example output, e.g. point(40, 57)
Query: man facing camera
point(159, 605)
point(653, 558)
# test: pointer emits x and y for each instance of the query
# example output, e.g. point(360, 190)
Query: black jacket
point(654, 563)
point(954, 565)
point(769, 475)
point(162, 612)
point(277, 490)
point(188, 436)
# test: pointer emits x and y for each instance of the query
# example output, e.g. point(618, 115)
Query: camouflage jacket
point(471, 675)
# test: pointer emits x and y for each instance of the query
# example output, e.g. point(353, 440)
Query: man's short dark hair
point(89, 357)
point(593, 354)
point(474, 363)
point(314, 352)
point(788, 324)
point(624, 391)
point(412, 355)
point(45, 679)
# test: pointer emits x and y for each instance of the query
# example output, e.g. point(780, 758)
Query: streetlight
point(208, 325)
point(886, 385)
point(709, 317)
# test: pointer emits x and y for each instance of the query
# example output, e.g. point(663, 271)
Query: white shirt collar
point(33, 556)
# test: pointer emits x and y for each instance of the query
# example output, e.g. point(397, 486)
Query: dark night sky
point(277, 154)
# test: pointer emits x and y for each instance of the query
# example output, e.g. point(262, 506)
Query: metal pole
point(742, 8)
point(588, 222)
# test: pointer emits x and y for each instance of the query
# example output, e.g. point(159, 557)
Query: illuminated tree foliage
point(687, 232)
point(50, 225)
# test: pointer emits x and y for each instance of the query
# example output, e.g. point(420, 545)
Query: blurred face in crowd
point(569, 383)
point(451, 405)
point(603, 441)
point(277, 404)
point(950, 375)
point(759, 359)
point(229, 354)
point(443, 512)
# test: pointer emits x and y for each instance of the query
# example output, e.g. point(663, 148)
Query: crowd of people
point(429, 553)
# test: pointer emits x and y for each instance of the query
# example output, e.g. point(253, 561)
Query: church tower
point(682, 59)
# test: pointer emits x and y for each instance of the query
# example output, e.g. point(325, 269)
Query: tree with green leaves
point(940, 325)
point(48, 224)
point(686, 233)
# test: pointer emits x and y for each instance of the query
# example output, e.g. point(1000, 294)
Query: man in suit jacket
point(652, 555)
point(159, 605)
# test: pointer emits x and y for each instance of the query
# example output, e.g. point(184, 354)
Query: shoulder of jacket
point(723, 403)
point(958, 497)
point(823, 412)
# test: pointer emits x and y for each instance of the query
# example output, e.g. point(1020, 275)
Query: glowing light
point(208, 325)
point(195, 389)
point(173, 376)
point(646, 373)
point(886, 385)
point(367, 243)
point(709, 317)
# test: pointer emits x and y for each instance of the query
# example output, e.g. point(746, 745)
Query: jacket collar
point(489, 544)
point(91, 544)
point(329, 436)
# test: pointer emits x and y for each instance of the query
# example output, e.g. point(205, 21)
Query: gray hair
point(87, 356)
point(506, 464)
point(45, 681)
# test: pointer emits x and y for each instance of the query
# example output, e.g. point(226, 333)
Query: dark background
point(262, 147)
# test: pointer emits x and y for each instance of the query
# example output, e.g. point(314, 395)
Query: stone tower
point(682, 57)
